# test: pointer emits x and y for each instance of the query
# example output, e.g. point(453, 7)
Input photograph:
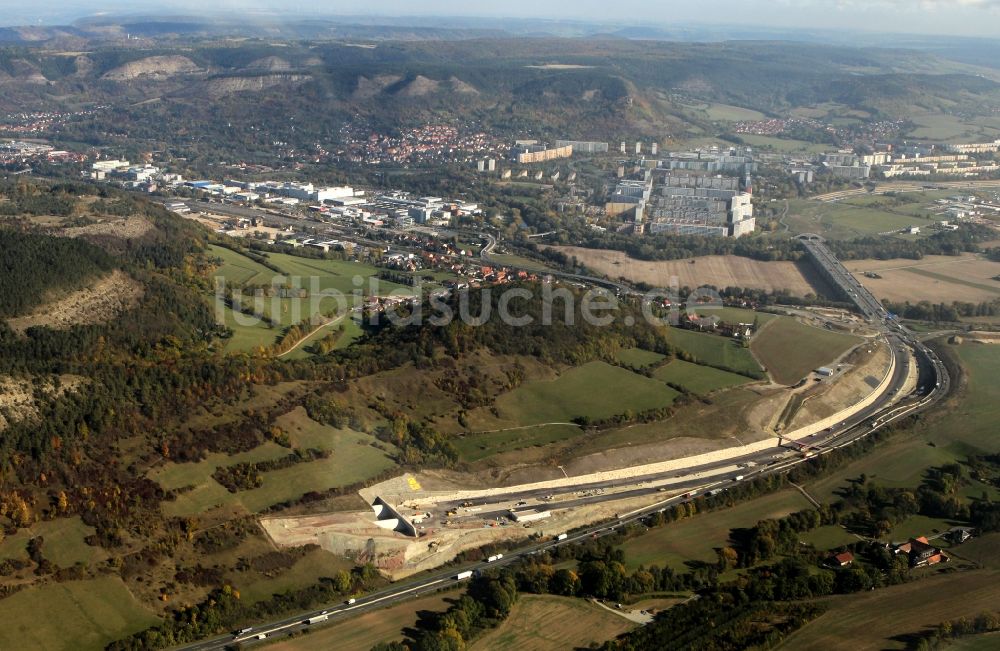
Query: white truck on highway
point(316, 619)
point(494, 558)
point(463, 575)
point(562, 536)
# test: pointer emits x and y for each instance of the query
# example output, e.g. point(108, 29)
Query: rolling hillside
point(571, 87)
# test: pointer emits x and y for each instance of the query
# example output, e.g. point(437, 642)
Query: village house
point(843, 559)
point(921, 552)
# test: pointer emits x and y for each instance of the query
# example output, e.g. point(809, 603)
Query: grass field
point(695, 539)
point(714, 350)
point(331, 329)
point(735, 314)
point(985, 642)
point(178, 475)
point(852, 218)
point(982, 550)
point(480, 446)
point(970, 428)
point(581, 392)
point(790, 349)
point(246, 336)
point(339, 275)
point(314, 275)
point(827, 537)
point(550, 623)
point(353, 459)
point(871, 620)
point(519, 262)
point(638, 358)
point(237, 269)
point(306, 571)
point(723, 419)
point(363, 632)
point(698, 379)
point(727, 113)
point(64, 542)
point(919, 525)
point(942, 127)
point(74, 616)
point(783, 144)
point(206, 492)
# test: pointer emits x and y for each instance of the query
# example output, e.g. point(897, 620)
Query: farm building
point(921, 552)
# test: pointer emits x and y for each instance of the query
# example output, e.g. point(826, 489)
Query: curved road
point(934, 383)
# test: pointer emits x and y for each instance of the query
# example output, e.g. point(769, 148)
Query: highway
point(933, 385)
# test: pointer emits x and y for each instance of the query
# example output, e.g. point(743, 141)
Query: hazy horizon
point(927, 17)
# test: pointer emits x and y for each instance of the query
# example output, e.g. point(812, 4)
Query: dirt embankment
point(370, 87)
point(126, 229)
point(269, 64)
point(864, 369)
point(158, 67)
point(17, 395)
point(99, 303)
point(222, 86)
point(717, 270)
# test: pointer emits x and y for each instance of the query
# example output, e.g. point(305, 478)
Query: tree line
point(33, 266)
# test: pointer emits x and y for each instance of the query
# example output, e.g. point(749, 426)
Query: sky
point(963, 17)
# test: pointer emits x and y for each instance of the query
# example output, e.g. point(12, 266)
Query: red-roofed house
point(843, 559)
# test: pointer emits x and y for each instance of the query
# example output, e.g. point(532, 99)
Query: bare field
point(935, 278)
point(717, 270)
point(871, 620)
point(105, 299)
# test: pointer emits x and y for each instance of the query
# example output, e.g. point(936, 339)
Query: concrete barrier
point(607, 475)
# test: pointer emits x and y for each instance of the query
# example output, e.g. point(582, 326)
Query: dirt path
point(630, 615)
point(511, 429)
point(311, 333)
point(806, 495)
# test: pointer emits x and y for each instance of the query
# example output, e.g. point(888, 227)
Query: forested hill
point(304, 93)
point(555, 331)
point(34, 267)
